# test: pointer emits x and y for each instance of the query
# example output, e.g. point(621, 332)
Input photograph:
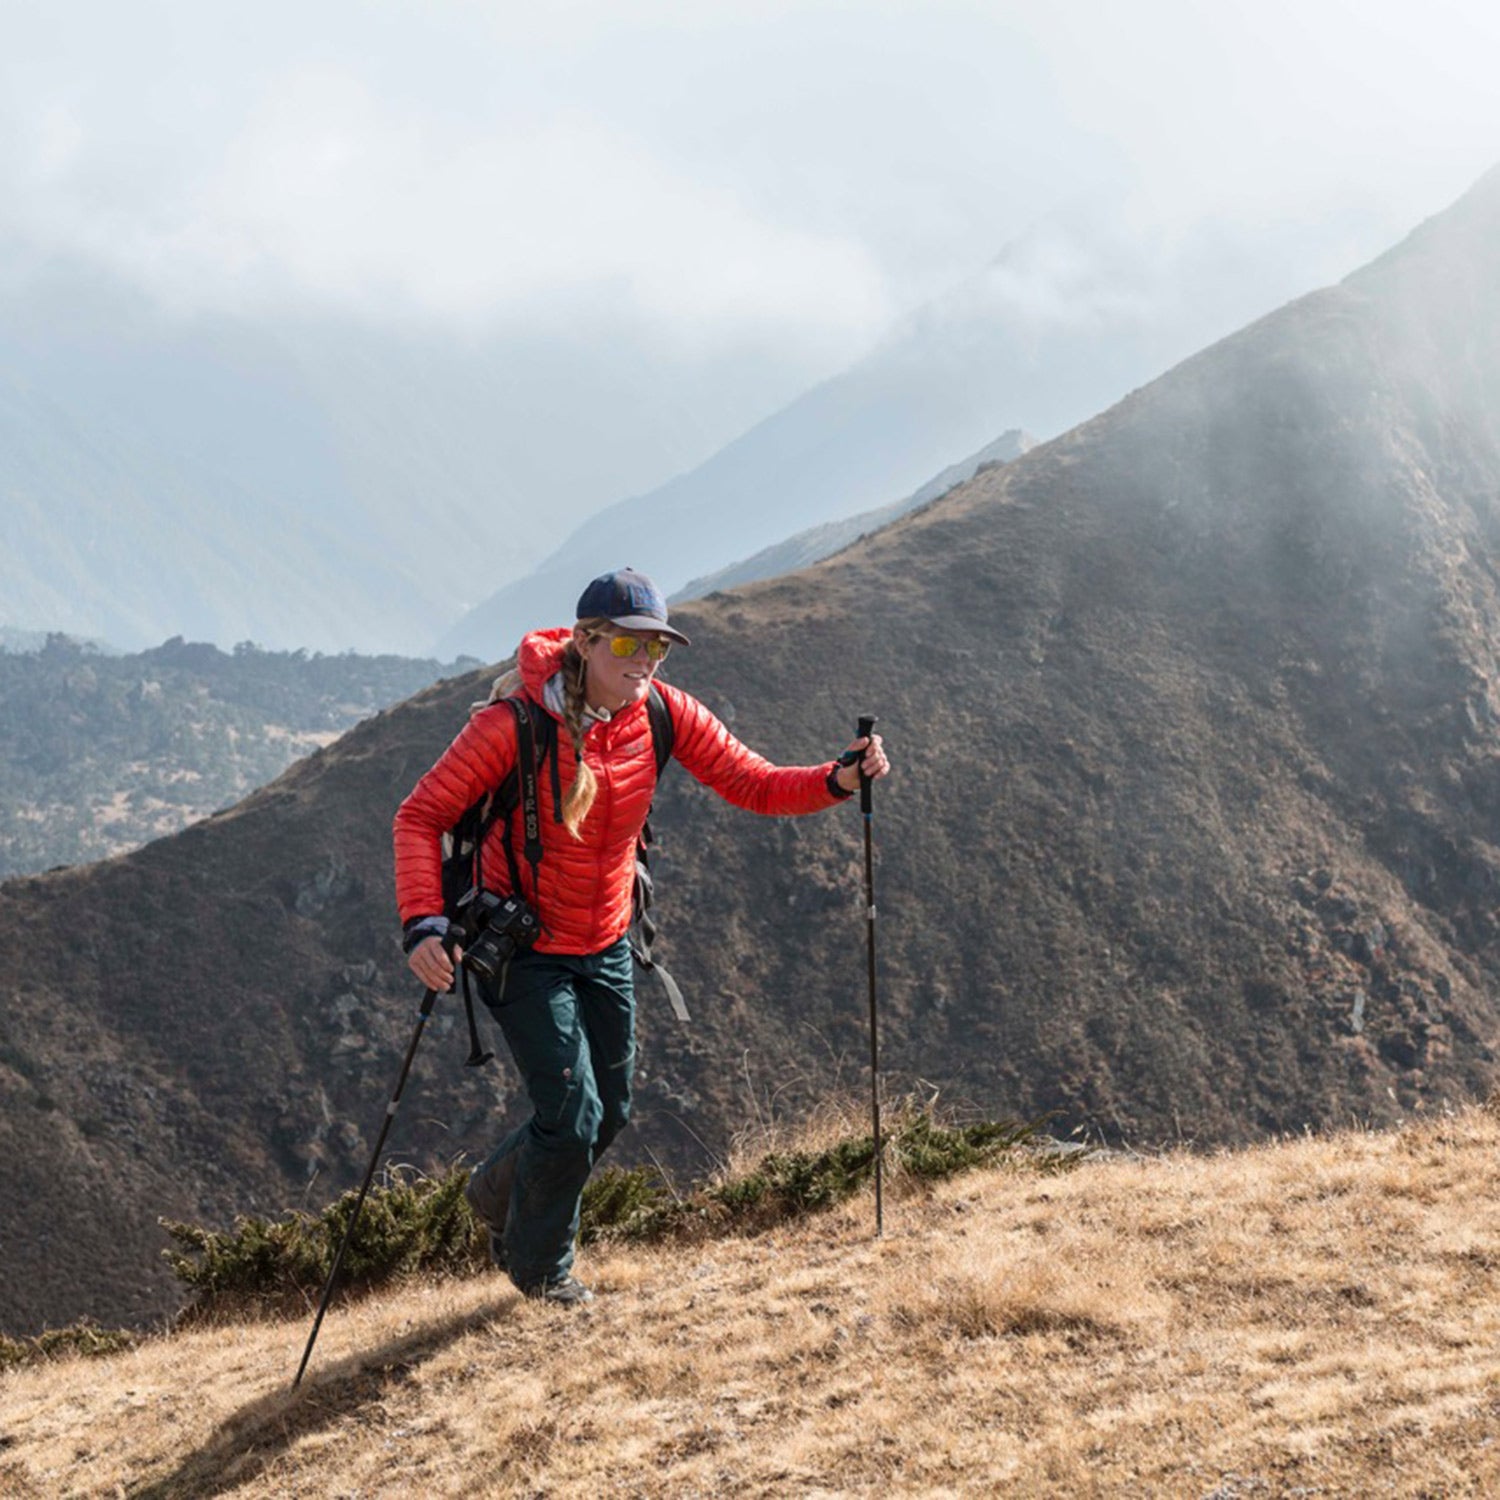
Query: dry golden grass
point(1315, 1317)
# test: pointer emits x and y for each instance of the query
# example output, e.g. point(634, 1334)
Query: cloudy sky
point(775, 177)
point(801, 164)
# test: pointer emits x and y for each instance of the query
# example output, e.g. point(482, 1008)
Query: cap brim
point(650, 622)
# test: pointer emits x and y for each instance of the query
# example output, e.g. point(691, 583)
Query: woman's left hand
point(873, 763)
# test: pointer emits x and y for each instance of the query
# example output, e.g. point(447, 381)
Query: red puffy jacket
point(586, 883)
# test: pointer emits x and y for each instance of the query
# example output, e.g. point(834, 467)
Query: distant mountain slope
point(101, 753)
point(107, 534)
point(1190, 839)
point(1058, 326)
point(818, 542)
point(294, 481)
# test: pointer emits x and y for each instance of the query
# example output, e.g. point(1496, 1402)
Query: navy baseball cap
point(630, 600)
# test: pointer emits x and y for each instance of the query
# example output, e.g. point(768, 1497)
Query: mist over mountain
point(818, 542)
point(297, 480)
point(1063, 322)
point(1193, 714)
point(303, 478)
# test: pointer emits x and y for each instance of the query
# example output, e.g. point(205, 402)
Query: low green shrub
point(639, 1206)
point(636, 1204)
point(85, 1338)
point(409, 1223)
point(927, 1151)
point(415, 1224)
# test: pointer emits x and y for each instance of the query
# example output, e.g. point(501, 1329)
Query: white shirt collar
point(555, 699)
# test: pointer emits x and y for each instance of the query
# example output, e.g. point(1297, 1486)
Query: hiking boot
point(488, 1194)
point(566, 1291)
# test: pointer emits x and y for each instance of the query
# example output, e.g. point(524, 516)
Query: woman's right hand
point(430, 962)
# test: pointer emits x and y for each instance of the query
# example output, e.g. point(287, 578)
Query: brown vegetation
point(1316, 1316)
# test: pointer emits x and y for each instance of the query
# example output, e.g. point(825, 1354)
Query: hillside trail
point(1317, 1316)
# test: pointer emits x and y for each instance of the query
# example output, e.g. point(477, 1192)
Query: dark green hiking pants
point(570, 1025)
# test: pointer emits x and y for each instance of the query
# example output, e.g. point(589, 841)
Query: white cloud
point(783, 174)
point(308, 179)
point(328, 190)
point(1277, 108)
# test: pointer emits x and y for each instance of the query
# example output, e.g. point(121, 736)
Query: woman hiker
point(566, 1005)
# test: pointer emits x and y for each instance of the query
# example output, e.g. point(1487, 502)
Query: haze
point(723, 205)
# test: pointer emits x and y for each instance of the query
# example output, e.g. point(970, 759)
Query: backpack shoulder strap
point(663, 731)
point(643, 925)
point(517, 788)
point(520, 789)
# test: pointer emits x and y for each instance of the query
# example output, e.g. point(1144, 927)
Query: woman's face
point(615, 682)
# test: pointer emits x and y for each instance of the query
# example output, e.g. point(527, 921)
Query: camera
point(492, 930)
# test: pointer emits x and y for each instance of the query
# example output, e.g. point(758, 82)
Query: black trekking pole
point(429, 998)
point(866, 729)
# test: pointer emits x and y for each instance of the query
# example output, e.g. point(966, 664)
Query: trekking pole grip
point(866, 729)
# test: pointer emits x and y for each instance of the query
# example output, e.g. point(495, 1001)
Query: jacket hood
point(541, 657)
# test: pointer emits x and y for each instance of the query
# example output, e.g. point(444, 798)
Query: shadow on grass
point(256, 1436)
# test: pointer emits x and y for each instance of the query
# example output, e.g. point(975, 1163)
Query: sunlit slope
point(1314, 1316)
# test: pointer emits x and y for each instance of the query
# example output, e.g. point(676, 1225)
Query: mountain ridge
point(1192, 717)
point(810, 546)
point(1067, 318)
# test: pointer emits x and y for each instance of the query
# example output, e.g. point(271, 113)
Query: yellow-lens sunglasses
point(625, 646)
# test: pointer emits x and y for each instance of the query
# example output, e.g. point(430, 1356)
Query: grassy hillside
point(1316, 1316)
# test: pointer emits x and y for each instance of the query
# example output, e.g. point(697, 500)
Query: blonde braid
point(579, 797)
